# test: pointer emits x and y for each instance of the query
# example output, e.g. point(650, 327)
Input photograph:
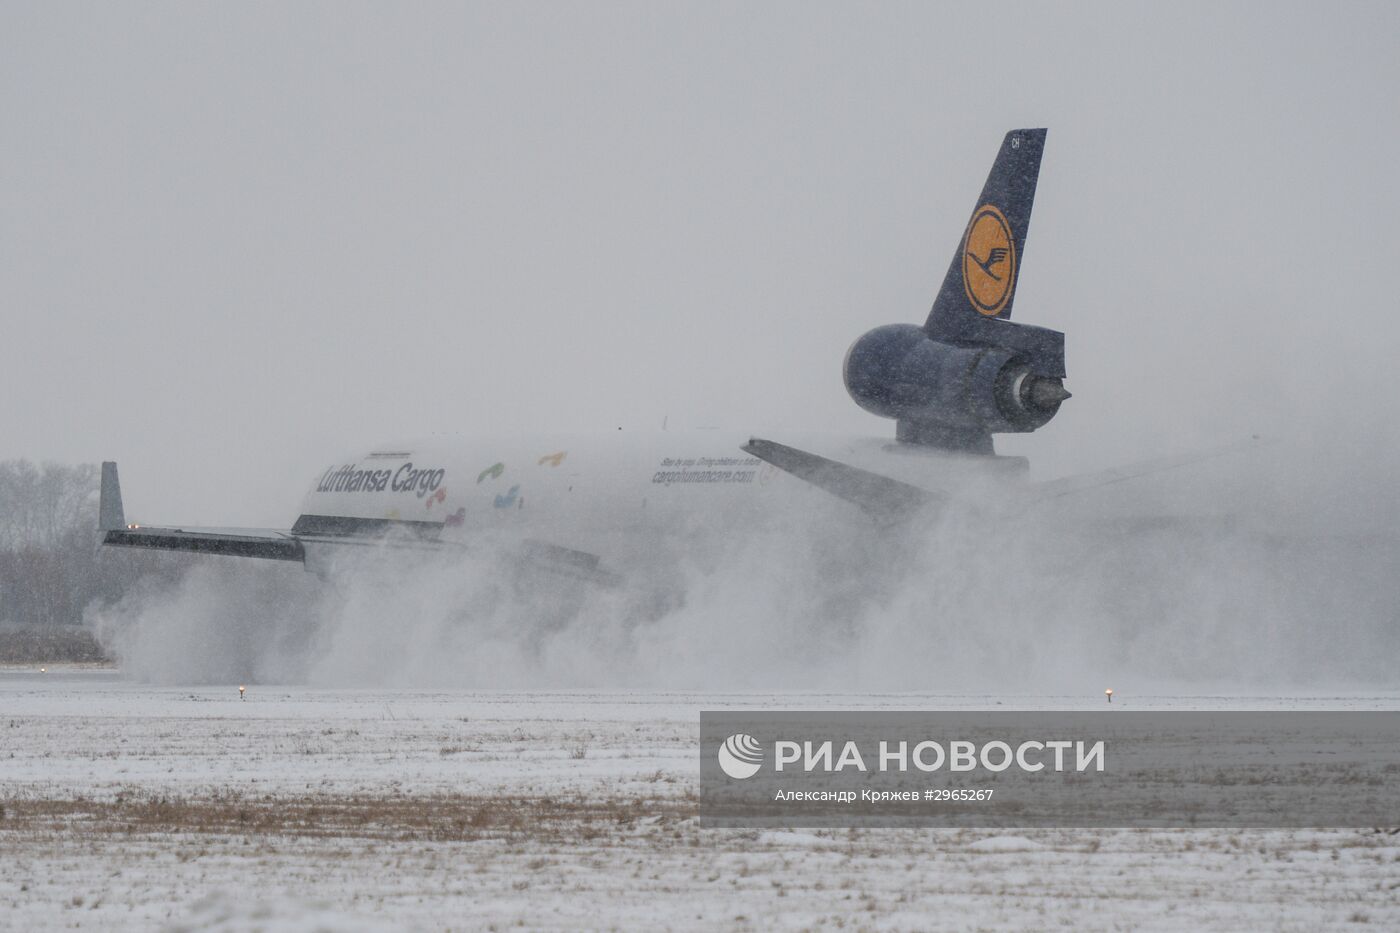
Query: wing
point(241, 542)
point(267, 543)
point(314, 540)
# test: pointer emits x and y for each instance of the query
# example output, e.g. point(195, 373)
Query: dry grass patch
point(445, 818)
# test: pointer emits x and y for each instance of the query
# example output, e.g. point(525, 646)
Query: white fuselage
point(613, 496)
point(599, 494)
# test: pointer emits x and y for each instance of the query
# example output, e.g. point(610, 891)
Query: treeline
point(51, 567)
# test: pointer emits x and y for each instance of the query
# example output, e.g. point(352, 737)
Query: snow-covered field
point(131, 806)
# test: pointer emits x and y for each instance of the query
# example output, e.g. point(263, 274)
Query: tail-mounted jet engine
point(969, 372)
point(946, 395)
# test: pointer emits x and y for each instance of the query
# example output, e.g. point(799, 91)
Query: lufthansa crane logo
point(989, 261)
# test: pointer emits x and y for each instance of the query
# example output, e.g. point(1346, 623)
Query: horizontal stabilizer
point(1074, 485)
point(880, 496)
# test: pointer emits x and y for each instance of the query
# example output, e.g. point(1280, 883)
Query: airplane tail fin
point(981, 281)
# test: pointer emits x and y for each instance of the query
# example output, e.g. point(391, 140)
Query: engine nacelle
point(945, 394)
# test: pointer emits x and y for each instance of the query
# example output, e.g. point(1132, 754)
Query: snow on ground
point(137, 807)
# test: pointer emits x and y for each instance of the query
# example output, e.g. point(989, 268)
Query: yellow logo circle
point(989, 261)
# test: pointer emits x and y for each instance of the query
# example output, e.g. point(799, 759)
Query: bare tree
point(50, 567)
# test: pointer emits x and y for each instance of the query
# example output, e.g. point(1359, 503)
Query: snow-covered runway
point(128, 806)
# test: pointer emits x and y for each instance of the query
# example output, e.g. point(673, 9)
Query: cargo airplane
point(592, 507)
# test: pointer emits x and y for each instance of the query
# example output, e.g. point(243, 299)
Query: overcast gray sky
point(239, 240)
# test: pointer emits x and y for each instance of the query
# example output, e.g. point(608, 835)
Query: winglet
point(110, 516)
